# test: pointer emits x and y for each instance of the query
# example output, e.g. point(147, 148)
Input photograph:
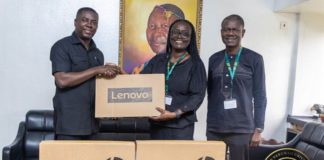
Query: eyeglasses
point(183, 33)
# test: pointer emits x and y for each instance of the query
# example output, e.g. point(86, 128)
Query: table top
point(302, 120)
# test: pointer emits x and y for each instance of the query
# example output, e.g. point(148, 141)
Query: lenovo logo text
point(129, 95)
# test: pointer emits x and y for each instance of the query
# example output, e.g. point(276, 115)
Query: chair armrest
point(262, 151)
point(15, 151)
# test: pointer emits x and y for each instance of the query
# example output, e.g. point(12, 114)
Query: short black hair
point(234, 17)
point(86, 9)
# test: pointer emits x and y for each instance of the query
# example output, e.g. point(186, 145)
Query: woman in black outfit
point(185, 81)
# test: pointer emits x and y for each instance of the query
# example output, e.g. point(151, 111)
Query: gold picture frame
point(135, 48)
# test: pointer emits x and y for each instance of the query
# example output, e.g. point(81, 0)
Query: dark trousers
point(238, 143)
point(166, 133)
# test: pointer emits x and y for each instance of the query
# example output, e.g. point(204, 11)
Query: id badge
point(168, 100)
point(230, 104)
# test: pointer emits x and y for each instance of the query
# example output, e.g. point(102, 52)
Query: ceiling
point(300, 6)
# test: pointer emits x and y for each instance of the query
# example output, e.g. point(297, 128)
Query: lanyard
point(170, 70)
point(228, 64)
point(230, 70)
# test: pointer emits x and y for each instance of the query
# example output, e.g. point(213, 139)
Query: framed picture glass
point(144, 26)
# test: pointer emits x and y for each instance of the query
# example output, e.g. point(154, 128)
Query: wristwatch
point(178, 113)
point(259, 130)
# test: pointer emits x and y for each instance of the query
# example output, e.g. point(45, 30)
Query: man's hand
point(109, 70)
point(256, 139)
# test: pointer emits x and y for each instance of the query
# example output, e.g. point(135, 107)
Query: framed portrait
point(144, 26)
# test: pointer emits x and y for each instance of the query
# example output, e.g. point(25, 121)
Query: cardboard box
point(180, 150)
point(86, 150)
point(130, 95)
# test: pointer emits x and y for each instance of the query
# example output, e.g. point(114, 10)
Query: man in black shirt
point(236, 92)
point(76, 61)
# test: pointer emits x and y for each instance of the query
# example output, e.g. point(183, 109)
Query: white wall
point(309, 72)
point(29, 28)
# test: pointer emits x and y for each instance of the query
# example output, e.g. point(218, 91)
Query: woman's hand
point(121, 70)
point(164, 116)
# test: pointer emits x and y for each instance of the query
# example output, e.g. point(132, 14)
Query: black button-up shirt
point(187, 86)
point(74, 106)
point(249, 90)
